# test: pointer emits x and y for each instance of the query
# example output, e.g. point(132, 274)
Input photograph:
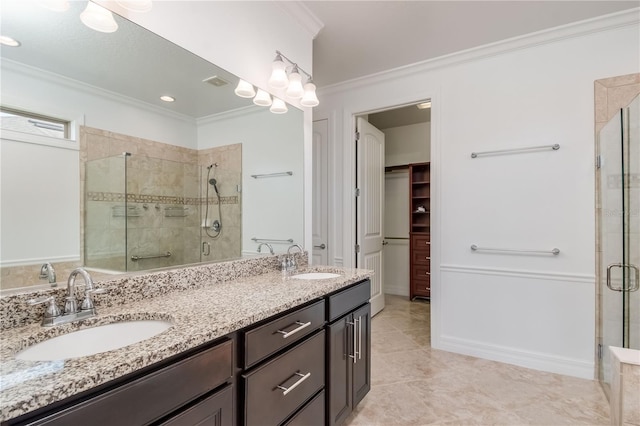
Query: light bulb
point(245, 90)
point(295, 89)
point(136, 5)
point(278, 106)
point(98, 18)
point(262, 98)
point(55, 5)
point(278, 79)
point(309, 99)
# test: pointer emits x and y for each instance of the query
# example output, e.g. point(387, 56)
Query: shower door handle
point(636, 283)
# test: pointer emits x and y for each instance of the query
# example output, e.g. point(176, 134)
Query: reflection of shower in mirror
point(215, 229)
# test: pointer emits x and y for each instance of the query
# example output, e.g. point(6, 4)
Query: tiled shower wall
point(165, 197)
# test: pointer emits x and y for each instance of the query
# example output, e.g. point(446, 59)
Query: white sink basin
point(315, 276)
point(91, 341)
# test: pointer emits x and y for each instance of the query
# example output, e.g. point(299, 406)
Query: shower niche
point(144, 212)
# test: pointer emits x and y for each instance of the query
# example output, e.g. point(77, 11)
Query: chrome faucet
point(268, 246)
point(71, 304)
point(291, 265)
point(71, 313)
point(48, 273)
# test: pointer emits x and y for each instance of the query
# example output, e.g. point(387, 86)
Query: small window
point(33, 124)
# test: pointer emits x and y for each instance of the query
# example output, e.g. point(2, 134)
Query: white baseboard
point(532, 360)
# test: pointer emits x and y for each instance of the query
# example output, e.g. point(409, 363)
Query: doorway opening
point(392, 215)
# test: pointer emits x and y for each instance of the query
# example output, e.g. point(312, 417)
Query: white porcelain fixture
point(315, 276)
point(91, 341)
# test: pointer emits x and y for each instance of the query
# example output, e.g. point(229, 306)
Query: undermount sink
point(91, 341)
point(315, 276)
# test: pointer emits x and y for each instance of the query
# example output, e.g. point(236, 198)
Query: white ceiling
point(365, 37)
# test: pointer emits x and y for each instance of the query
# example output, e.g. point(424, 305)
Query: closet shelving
point(420, 225)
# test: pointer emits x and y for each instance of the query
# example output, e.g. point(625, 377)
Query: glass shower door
point(619, 147)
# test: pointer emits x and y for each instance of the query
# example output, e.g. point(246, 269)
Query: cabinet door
point(216, 410)
point(362, 361)
point(339, 381)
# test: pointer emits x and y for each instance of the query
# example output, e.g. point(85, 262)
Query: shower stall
point(619, 235)
point(145, 213)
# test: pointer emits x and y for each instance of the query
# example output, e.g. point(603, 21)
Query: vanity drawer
point(311, 415)
point(216, 409)
point(269, 338)
point(347, 300)
point(300, 371)
point(154, 395)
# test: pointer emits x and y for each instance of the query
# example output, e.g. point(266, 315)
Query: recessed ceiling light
point(167, 98)
point(8, 41)
point(424, 105)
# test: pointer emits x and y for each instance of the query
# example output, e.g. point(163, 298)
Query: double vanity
point(227, 343)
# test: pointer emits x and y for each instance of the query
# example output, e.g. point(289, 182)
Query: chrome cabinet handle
point(302, 378)
point(622, 265)
point(321, 246)
point(286, 334)
point(354, 337)
point(359, 337)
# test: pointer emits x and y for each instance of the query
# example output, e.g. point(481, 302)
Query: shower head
point(214, 182)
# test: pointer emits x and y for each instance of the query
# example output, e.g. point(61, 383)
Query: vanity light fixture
point(278, 106)
point(140, 6)
point(424, 105)
point(167, 98)
point(295, 89)
point(309, 98)
point(262, 98)
point(293, 81)
point(55, 5)
point(9, 41)
point(98, 18)
point(279, 79)
point(245, 90)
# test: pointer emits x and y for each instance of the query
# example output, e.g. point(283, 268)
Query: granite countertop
point(198, 316)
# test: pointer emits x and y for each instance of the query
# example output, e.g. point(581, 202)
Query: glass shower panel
point(163, 221)
point(619, 144)
point(105, 213)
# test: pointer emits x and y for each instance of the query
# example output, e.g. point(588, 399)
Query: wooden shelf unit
point(420, 227)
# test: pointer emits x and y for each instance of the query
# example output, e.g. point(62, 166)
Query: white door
point(320, 225)
point(370, 207)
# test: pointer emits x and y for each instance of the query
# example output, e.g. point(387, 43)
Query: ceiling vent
point(216, 81)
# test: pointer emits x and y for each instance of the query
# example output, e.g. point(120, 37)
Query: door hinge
point(598, 161)
point(357, 247)
point(357, 136)
point(357, 192)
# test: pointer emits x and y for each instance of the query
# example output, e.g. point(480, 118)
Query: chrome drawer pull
point(302, 378)
point(286, 334)
point(359, 337)
point(355, 353)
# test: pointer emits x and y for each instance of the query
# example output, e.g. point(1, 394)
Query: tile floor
point(413, 384)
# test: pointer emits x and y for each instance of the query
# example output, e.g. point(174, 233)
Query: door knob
point(321, 246)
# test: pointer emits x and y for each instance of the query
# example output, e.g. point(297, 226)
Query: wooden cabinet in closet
point(420, 225)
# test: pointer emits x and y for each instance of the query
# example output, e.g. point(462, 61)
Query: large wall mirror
point(98, 171)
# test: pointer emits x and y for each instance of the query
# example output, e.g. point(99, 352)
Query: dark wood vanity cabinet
point(309, 366)
point(348, 352)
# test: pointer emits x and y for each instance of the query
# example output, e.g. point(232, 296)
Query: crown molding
point(38, 73)
point(576, 29)
point(303, 16)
